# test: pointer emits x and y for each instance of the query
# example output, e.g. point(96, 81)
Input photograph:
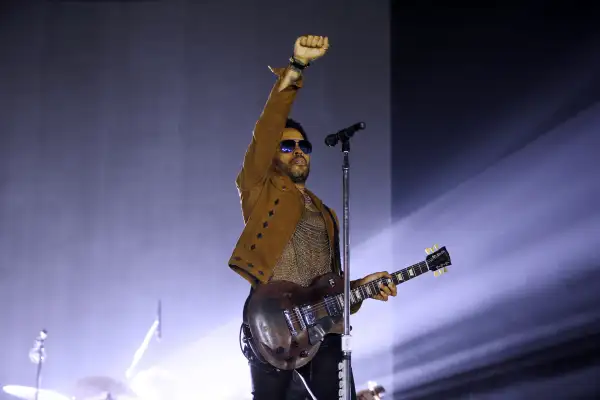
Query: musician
point(289, 233)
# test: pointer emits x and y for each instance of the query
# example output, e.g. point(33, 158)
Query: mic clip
point(344, 136)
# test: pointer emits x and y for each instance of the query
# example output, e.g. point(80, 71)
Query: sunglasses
point(289, 145)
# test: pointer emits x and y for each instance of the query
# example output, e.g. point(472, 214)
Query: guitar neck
point(371, 289)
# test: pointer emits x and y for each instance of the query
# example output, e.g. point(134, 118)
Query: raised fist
point(309, 48)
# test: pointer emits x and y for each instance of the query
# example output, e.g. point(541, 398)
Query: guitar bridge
point(294, 320)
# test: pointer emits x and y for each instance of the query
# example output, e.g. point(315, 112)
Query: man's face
point(294, 162)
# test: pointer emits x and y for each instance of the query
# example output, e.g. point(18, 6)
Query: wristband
point(297, 65)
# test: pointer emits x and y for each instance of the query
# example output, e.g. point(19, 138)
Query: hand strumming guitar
point(385, 289)
point(306, 49)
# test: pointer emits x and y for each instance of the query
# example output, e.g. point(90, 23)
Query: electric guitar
point(287, 321)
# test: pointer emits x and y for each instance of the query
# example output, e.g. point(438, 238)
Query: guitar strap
point(247, 345)
point(336, 262)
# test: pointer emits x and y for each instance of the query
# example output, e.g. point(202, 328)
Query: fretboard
point(372, 289)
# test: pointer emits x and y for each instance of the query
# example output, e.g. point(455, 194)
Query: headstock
point(437, 259)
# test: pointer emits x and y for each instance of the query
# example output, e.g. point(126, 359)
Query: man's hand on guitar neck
point(385, 289)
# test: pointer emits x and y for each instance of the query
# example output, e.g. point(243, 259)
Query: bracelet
point(297, 65)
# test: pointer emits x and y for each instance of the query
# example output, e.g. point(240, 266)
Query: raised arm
point(268, 129)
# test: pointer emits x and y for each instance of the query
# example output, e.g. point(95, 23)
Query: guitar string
point(324, 303)
point(374, 285)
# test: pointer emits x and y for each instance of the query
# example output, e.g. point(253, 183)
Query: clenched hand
point(309, 48)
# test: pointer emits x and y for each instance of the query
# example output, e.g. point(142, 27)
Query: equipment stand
point(37, 355)
point(346, 382)
point(345, 366)
point(38, 378)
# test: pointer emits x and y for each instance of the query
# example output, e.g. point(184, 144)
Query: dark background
point(495, 120)
point(123, 125)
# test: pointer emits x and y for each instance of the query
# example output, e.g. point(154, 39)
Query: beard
point(297, 173)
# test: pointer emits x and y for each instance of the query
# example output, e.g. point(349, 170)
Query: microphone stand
point(38, 378)
point(38, 355)
point(346, 390)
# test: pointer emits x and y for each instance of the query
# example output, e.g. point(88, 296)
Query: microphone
point(159, 319)
point(344, 135)
point(37, 354)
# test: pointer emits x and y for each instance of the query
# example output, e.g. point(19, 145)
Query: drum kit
point(106, 388)
point(89, 388)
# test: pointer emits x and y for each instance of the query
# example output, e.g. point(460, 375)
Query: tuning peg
point(436, 247)
point(428, 251)
point(439, 272)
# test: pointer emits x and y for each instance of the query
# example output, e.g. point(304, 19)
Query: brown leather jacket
point(271, 203)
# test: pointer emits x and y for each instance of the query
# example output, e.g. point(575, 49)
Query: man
point(289, 234)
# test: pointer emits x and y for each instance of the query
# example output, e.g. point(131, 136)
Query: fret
point(404, 275)
point(398, 277)
point(363, 292)
point(371, 289)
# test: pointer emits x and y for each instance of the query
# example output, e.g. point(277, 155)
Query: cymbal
point(95, 385)
point(28, 393)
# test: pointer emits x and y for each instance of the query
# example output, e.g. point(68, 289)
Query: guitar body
point(288, 321)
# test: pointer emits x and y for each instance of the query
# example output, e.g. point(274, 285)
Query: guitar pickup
point(294, 321)
point(310, 316)
point(332, 306)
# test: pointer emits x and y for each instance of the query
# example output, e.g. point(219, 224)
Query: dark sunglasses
point(289, 145)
